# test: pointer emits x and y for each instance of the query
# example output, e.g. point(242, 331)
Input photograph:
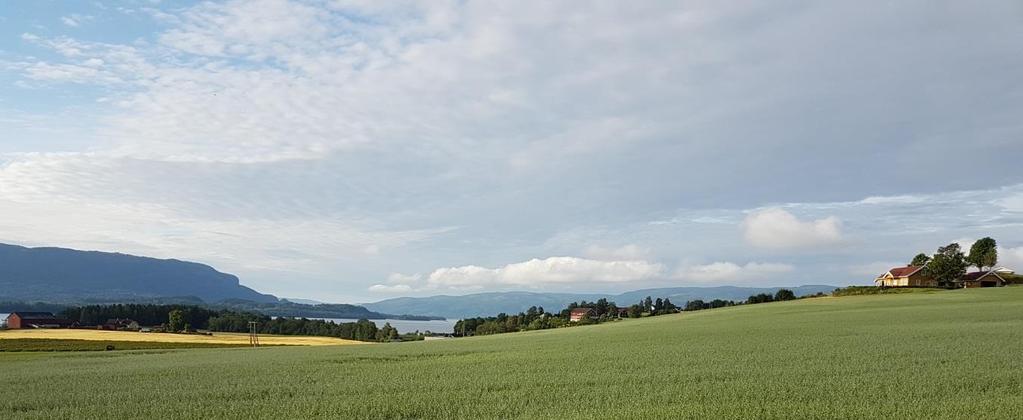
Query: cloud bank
point(779, 229)
point(535, 273)
point(311, 145)
point(720, 272)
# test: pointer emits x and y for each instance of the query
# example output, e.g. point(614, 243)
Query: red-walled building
point(579, 314)
point(19, 320)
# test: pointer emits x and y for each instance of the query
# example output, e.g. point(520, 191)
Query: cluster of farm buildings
point(579, 314)
point(27, 320)
point(916, 276)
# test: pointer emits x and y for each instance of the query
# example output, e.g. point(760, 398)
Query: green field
point(949, 354)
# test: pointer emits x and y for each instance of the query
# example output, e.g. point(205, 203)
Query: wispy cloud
point(723, 272)
point(359, 134)
point(75, 20)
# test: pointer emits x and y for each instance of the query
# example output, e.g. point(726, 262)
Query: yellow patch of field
point(216, 338)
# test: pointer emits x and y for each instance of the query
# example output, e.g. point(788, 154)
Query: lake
point(404, 326)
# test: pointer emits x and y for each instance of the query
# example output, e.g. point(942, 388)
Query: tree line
point(196, 317)
point(602, 310)
point(362, 330)
point(188, 318)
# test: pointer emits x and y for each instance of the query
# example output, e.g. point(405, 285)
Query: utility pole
point(253, 336)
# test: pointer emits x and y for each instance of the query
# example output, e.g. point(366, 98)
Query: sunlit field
point(216, 338)
point(948, 354)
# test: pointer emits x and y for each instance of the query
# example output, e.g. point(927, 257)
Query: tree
point(947, 266)
point(387, 333)
point(176, 320)
point(983, 253)
point(920, 259)
point(695, 305)
point(784, 294)
point(669, 307)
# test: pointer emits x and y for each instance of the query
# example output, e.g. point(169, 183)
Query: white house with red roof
point(908, 276)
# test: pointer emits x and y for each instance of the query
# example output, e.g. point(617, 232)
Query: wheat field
point(942, 355)
point(216, 338)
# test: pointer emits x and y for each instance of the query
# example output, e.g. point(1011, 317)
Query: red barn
point(20, 320)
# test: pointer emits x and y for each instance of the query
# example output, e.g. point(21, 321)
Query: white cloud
point(541, 272)
point(630, 252)
point(391, 289)
point(777, 228)
point(352, 129)
point(398, 283)
point(729, 272)
point(964, 244)
point(399, 278)
point(1011, 258)
point(75, 20)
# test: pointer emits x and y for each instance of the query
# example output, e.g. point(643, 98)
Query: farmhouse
point(579, 314)
point(908, 276)
point(915, 276)
point(120, 325)
point(20, 320)
point(981, 279)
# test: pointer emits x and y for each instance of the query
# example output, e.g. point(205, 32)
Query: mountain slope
point(66, 275)
point(488, 304)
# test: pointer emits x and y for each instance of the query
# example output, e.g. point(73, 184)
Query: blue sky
point(357, 150)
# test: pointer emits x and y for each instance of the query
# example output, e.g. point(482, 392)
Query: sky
point(352, 151)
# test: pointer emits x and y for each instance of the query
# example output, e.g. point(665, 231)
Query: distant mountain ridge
point(59, 275)
point(489, 304)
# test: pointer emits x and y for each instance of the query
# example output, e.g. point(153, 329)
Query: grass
point(874, 290)
point(218, 339)
point(951, 354)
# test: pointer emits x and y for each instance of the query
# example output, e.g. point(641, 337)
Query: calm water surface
point(446, 326)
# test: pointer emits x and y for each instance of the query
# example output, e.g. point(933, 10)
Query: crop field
point(216, 338)
point(950, 354)
point(47, 344)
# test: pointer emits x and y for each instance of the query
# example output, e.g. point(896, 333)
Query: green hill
point(59, 275)
point(942, 354)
